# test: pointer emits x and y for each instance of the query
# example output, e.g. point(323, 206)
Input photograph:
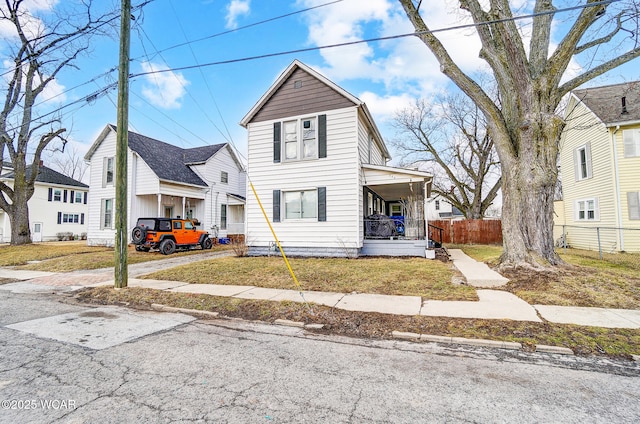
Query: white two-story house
point(205, 183)
point(318, 165)
point(57, 208)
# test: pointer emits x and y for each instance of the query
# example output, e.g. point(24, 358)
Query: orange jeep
point(168, 234)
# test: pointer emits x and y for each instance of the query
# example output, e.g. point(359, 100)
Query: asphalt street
point(239, 372)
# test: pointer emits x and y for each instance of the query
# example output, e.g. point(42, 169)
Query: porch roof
point(396, 183)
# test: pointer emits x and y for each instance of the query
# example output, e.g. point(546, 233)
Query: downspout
point(616, 177)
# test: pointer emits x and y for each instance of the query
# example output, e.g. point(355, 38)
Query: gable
point(301, 93)
point(606, 102)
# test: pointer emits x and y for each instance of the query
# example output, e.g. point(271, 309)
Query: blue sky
point(203, 105)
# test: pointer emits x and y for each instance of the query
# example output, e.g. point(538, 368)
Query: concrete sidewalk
point(492, 304)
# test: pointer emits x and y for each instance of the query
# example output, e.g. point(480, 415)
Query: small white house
point(437, 207)
point(319, 167)
point(205, 183)
point(58, 205)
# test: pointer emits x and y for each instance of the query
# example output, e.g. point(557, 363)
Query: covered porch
point(393, 220)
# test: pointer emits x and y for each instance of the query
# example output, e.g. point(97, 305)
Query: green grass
point(74, 256)
point(406, 276)
point(20, 255)
point(610, 283)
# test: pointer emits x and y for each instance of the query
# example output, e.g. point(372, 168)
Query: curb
point(298, 324)
point(477, 342)
point(164, 308)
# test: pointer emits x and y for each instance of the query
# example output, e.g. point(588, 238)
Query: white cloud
point(54, 91)
point(235, 9)
point(384, 108)
point(31, 25)
point(405, 64)
point(164, 89)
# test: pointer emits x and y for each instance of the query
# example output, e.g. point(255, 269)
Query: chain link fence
point(613, 244)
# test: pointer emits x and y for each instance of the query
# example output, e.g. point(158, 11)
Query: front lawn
point(76, 256)
point(394, 276)
point(610, 283)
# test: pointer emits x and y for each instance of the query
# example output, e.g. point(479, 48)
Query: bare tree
point(450, 138)
point(525, 127)
point(40, 46)
point(70, 162)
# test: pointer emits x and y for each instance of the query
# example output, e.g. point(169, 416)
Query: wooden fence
point(468, 231)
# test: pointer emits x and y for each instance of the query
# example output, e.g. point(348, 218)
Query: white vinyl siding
point(338, 172)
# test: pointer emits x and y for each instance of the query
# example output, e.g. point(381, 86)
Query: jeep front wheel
point(167, 247)
point(207, 243)
point(138, 235)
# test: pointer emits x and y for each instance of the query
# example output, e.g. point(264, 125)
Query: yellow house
point(600, 168)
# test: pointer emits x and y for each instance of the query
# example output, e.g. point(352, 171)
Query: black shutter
point(322, 136)
point(50, 194)
point(73, 193)
point(276, 205)
point(276, 141)
point(85, 197)
point(81, 219)
point(65, 196)
point(59, 217)
point(322, 204)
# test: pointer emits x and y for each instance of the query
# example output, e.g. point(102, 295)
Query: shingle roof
point(169, 162)
point(606, 102)
point(49, 176)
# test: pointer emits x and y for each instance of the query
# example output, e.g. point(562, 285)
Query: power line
point(391, 37)
point(458, 27)
point(275, 18)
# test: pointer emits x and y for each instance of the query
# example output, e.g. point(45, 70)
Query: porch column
point(159, 205)
point(184, 202)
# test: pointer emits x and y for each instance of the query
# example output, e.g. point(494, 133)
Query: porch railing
point(394, 227)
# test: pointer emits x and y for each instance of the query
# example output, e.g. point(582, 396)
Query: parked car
point(169, 234)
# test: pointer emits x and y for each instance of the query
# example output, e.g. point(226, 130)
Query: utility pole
point(121, 242)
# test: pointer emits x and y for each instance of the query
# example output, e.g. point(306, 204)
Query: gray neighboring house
point(205, 183)
point(59, 205)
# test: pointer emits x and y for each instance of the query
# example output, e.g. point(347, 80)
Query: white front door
point(37, 232)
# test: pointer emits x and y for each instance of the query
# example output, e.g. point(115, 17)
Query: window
point(587, 210)
point(57, 195)
point(107, 172)
point(70, 218)
point(633, 204)
point(188, 225)
point(631, 140)
point(301, 204)
point(224, 177)
point(177, 225)
point(582, 162)
point(223, 217)
point(437, 205)
point(300, 139)
point(78, 197)
point(107, 214)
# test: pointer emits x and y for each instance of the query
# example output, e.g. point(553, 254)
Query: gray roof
point(49, 176)
point(169, 162)
point(606, 102)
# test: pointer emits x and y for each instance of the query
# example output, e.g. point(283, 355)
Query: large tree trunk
point(529, 176)
point(20, 231)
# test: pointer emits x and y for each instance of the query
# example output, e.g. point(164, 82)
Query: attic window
point(297, 84)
